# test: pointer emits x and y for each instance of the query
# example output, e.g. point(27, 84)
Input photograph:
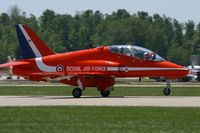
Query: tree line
point(168, 37)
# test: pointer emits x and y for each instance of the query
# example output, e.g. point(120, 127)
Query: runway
point(162, 101)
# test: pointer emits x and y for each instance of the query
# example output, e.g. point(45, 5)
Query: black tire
point(105, 93)
point(166, 91)
point(77, 92)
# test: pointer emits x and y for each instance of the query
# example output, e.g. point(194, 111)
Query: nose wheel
point(167, 90)
point(77, 92)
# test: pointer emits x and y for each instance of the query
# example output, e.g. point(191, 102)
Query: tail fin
point(31, 45)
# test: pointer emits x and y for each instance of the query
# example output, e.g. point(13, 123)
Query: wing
point(61, 75)
point(14, 63)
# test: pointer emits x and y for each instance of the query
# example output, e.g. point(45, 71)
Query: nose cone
point(175, 71)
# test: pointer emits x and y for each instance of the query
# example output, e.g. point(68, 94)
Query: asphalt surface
point(163, 101)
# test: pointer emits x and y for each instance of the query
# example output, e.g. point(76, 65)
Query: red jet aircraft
point(96, 67)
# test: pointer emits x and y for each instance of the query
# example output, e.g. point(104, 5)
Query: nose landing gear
point(167, 90)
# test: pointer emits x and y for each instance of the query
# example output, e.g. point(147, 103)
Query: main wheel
point(166, 91)
point(105, 93)
point(77, 92)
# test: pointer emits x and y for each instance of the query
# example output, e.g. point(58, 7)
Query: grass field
point(119, 91)
point(94, 119)
point(78, 119)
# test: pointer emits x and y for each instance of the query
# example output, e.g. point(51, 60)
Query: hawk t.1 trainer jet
point(96, 67)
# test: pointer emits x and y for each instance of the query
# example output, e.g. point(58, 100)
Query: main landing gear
point(105, 93)
point(77, 92)
point(167, 90)
point(103, 84)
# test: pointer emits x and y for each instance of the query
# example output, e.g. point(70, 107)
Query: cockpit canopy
point(136, 51)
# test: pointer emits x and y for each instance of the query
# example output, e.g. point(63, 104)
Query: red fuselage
point(98, 61)
point(97, 67)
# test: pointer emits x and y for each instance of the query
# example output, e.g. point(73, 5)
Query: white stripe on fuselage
point(30, 42)
point(43, 67)
point(141, 68)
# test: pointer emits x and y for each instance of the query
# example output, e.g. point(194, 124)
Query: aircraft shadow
point(84, 97)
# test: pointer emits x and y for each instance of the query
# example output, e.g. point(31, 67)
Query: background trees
point(168, 37)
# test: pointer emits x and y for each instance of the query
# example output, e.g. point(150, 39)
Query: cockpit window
point(137, 52)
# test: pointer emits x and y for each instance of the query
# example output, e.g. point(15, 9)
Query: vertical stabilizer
point(31, 45)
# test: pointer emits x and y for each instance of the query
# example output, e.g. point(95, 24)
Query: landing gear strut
point(77, 92)
point(167, 90)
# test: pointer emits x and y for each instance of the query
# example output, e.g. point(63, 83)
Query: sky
point(182, 10)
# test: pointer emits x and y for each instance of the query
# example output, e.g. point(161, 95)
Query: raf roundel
point(59, 68)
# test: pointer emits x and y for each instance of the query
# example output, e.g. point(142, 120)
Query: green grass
point(119, 91)
point(78, 119)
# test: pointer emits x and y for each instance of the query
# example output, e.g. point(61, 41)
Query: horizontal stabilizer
point(14, 63)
